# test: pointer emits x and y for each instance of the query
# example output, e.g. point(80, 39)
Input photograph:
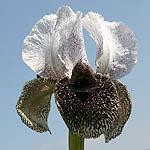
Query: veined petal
point(116, 45)
point(88, 102)
point(55, 44)
point(33, 105)
point(124, 112)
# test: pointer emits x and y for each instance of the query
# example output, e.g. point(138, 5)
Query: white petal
point(116, 45)
point(55, 44)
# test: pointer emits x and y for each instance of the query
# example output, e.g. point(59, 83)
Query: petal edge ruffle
point(116, 45)
point(55, 44)
point(125, 106)
point(33, 105)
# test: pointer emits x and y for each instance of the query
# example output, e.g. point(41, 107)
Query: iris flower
point(90, 102)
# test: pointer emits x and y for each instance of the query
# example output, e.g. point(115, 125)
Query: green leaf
point(124, 112)
point(33, 105)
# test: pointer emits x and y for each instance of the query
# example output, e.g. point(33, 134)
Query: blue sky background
point(16, 20)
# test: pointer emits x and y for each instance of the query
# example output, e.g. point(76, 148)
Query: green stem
point(75, 142)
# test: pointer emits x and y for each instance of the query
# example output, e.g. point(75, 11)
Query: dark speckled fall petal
point(33, 105)
point(124, 112)
point(89, 112)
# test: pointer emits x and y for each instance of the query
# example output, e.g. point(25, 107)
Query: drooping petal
point(116, 45)
point(33, 105)
point(55, 44)
point(124, 112)
point(88, 104)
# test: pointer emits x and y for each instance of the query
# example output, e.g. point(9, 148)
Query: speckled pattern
point(89, 113)
point(116, 45)
point(124, 111)
point(55, 44)
point(33, 105)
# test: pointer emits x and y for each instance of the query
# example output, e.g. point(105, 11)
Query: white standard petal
point(55, 44)
point(116, 45)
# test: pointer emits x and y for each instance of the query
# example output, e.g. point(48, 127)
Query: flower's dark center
point(82, 84)
point(82, 95)
point(82, 81)
point(81, 87)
